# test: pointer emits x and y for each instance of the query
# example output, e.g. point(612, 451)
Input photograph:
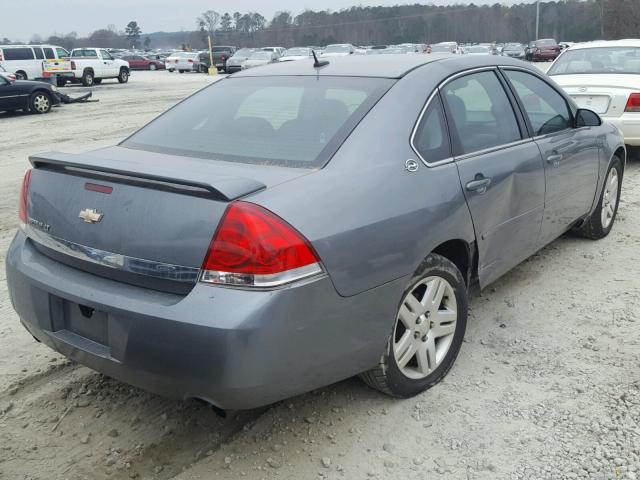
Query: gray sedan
point(297, 224)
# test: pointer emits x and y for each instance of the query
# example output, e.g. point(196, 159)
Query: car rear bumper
point(629, 125)
point(236, 349)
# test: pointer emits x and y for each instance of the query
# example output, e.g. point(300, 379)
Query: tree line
point(564, 20)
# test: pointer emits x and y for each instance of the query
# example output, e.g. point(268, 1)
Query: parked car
point(604, 76)
point(478, 50)
point(183, 62)
point(26, 60)
point(279, 51)
point(338, 50)
point(27, 95)
point(220, 56)
point(257, 240)
point(235, 63)
point(260, 58)
point(297, 53)
point(544, 50)
point(513, 50)
point(445, 47)
point(5, 74)
point(138, 62)
point(92, 65)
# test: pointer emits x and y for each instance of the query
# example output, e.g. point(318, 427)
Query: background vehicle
point(478, 50)
point(220, 56)
point(183, 62)
point(338, 50)
point(445, 47)
point(26, 60)
point(604, 77)
point(235, 63)
point(513, 50)
point(544, 50)
point(5, 74)
point(296, 53)
point(259, 58)
point(35, 97)
point(138, 62)
point(279, 51)
point(92, 65)
point(276, 175)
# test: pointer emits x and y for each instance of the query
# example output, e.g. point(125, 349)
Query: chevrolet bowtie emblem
point(90, 215)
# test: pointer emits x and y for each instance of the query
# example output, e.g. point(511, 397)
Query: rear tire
point(123, 76)
point(40, 102)
point(20, 75)
point(180, 71)
point(152, 66)
point(601, 221)
point(425, 341)
point(88, 78)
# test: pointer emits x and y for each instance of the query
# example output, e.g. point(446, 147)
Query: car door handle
point(554, 159)
point(479, 185)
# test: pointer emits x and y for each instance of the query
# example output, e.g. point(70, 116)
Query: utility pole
point(537, 18)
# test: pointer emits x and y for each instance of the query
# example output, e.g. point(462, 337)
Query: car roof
point(381, 66)
point(626, 42)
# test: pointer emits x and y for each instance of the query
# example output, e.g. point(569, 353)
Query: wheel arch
point(23, 73)
point(462, 254)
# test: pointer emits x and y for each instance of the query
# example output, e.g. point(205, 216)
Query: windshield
point(625, 60)
point(221, 49)
point(337, 49)
point(545, 42)
point(297, 52)
point(243, 52)
point(260, 56)
point(512, 46)
point(280, 120)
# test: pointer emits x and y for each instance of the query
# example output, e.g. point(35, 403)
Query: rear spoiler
point(219, 187)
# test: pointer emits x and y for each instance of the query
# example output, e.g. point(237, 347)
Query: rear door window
point(546, 109)
point(481, 114)
point(18, 54)
point(39, 53)
point(48, 53)
point(287, 121)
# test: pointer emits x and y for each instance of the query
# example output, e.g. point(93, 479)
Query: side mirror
point(587, 118)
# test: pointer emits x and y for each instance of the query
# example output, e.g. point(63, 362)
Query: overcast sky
point(21, 19)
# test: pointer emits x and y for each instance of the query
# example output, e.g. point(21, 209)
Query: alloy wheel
point(609, 199)
point(425, 327)
point(41, 103)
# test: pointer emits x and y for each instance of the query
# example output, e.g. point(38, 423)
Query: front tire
point(427, 334)
point(123, 76)
point(40, 102)
point(601, 221)
point(152, 66)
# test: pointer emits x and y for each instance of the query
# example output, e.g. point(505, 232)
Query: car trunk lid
point(135, 216)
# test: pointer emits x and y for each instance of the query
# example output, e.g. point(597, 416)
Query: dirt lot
point(547, 385)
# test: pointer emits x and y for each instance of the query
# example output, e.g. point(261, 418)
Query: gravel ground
point(547, 385)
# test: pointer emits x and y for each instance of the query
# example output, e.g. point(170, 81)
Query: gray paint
point(370, 220)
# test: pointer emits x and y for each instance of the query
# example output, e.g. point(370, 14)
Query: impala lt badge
point(90, 215)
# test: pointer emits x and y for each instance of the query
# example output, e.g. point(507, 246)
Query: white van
point(26, 60)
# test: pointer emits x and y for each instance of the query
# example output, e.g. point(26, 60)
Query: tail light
point(24, 198)
point(253, 247)
point(633, 103)
point(1, 57)
point(73, 65)
point(223, 57)
point(190, 60)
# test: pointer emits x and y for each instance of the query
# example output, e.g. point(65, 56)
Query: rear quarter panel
point(369, 219)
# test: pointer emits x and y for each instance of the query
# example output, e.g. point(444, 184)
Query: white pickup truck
point(92, 65)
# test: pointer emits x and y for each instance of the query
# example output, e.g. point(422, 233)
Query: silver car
point(293, 225)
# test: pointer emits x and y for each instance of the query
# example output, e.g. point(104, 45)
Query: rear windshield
point(624, 60)
point(285, 121)
point(84, 53)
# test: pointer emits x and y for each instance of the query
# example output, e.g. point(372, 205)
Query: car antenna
point(316, 62)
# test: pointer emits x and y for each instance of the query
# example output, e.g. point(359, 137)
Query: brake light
point(190, 60)
point(1, 57)
point(223, 57)
point(633, 103)
point(73, 65)
point(24, 198)
point(253, 247)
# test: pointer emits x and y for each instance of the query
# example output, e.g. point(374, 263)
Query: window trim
point(523, 111)
point(524, 135)
point(435, 94)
